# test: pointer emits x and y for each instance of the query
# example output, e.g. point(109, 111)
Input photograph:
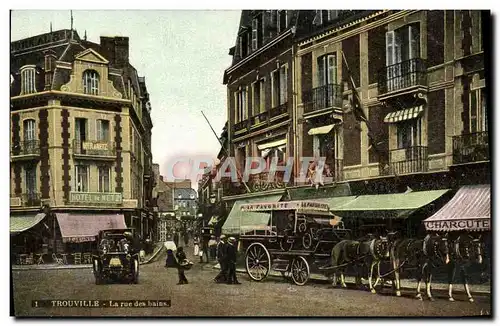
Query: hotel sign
point(89, 146)
point(39, 40)
point(291, 205)
point(96, 197)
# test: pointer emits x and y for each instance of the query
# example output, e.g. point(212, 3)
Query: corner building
point(80, 142)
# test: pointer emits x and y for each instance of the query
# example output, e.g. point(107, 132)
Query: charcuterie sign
point(455, 225)
point(290, 205)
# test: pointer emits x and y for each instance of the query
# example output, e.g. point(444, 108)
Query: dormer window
point(243, 44)
point(282, 20)
point(257, 32)
point(324, 16)
point(28, 79)
point(91, 82)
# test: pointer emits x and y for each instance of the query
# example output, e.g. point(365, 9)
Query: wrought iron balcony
point(472, 147)
point(402, 75)
point(279, 110)
point(241, 125)
point(93, 148)
point(31, 199)
point(26, 148)
point(323, 97)
point(408, 160)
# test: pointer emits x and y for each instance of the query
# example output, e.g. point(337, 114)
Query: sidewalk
point(406, 284)
point(148, 259)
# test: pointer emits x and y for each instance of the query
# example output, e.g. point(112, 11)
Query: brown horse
point(421, 253)
point(359, 254)
point(465, 251)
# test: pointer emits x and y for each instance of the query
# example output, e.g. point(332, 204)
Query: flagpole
point(362, 116)
point(225, 151)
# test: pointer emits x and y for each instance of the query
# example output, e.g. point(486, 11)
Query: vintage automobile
point(117, 256)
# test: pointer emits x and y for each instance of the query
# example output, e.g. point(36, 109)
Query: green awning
point(238, 220)
point(389, 205)
point(326, 192)
point(337, 202)
point(20, 224)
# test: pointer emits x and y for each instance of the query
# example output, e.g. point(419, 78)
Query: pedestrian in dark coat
point(222, 259)
point(181, 260)
point(231, 252)
point(176, 238)
point(186, 238)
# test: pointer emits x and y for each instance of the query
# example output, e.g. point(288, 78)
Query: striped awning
point(468, 210)
point(402, 115)
point(20, 224)
point(320, 130)
point(276, 143)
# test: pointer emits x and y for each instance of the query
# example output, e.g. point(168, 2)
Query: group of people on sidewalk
point(224, 251)
point(226, 256)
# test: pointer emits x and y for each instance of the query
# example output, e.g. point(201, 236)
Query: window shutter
point(99, 130)
point(273, 91)
point(389, 48)
point(254, 33)
point(332, 69)
point(414, 41)
point(321, 71)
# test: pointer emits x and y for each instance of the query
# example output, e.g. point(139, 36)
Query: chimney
point(49, 66)
point(121, 51)
point(108, 48)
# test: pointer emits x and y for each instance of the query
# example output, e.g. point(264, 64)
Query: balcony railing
point(241, 125)
point(408, 160)
point(402, 75)
point(278, 110)
point(27, 147)
point(263, 117)
point(93, 148)
point(323, 97)
point(472, 147)
point(31, 199)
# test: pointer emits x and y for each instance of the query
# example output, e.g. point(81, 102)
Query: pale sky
point(182, 54)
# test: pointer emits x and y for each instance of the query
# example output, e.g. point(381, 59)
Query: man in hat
point(231, 261)
point(222, 259)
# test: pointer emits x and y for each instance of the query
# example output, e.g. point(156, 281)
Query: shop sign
point(39, 40)
point(96, 197)
point(292, 205)
point(92, 146)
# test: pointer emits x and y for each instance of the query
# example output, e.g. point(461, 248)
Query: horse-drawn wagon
point(298, 238)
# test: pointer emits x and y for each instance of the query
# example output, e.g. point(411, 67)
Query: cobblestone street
point(202, 297)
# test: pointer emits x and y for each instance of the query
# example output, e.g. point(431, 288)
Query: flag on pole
point(357, 109)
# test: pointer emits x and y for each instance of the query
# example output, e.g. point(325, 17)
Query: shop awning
point(20, 224)
point(320, 130)
point(85, 227)
point(248, 221)
point(405, 114)
point(337, 202)
point(272, 144)
point(468, 210)
point(391, 205)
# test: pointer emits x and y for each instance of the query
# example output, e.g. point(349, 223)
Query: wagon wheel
point(258, 261)
point(300, 271)
point(307, 241)
point(302, 227)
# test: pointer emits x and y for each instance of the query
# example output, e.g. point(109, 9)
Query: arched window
point(91, 82)
point(28, 74)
